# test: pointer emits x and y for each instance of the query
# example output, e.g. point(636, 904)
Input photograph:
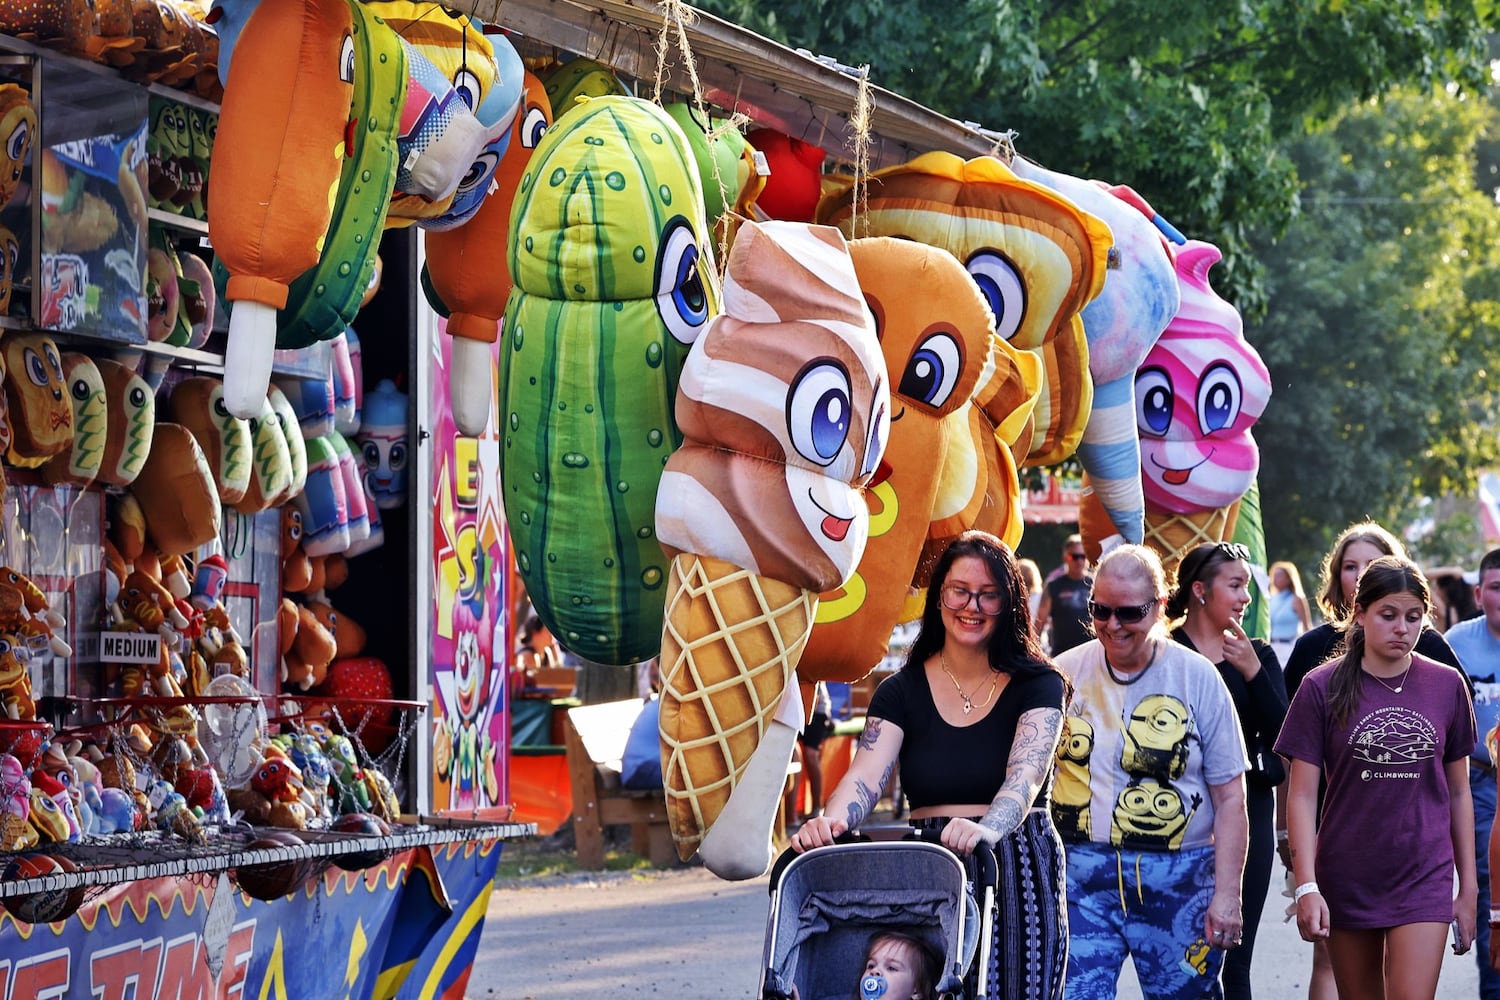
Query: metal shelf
point(119, 858)
point(172, 220)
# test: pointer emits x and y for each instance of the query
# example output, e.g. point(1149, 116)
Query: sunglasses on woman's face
point(1129, 614)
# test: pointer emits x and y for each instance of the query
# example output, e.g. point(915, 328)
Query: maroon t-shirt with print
point(1385, 851)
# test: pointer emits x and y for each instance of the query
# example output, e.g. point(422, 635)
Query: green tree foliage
point(1185, 101)
point(1384, 326)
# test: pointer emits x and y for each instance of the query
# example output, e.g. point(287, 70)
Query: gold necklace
point(1398, 687)
point(969, 704)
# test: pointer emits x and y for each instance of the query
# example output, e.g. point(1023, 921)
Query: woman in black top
point(1359, 545)
point(973, 720)
point(1213, 590)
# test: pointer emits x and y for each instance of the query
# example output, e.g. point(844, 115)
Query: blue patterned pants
point(1149, 905)
point(1028, 953)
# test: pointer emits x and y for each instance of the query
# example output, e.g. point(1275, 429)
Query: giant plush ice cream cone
point(784, 412)
point(730, 642)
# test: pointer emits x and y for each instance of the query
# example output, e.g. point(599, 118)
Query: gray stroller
point(826, 904)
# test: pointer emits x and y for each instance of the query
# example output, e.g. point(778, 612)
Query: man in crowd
point(1065, 602)
point(1476, 641)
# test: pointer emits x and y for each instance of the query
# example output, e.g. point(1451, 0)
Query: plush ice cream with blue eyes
point(382, 444)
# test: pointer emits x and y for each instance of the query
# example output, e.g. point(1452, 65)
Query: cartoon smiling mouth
point(834, 527)
point(1176, 477)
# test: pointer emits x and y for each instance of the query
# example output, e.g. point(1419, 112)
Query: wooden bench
point(594, 736)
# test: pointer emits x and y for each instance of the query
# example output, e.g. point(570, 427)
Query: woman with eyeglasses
point(972, 720)
point(1356, 547)
point(1150, 797)
point(1213, 590)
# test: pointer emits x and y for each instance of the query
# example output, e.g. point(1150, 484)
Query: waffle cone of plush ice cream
point(784, 411)
point(1175, 535)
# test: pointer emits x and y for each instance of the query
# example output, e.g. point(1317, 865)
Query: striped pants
point(1028, 953)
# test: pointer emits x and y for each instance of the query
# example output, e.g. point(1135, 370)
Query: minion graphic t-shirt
point(1139, 752)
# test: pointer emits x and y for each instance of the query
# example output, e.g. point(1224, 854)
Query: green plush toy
point(614, 280)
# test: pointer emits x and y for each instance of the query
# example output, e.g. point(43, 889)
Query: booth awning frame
point(809, 97)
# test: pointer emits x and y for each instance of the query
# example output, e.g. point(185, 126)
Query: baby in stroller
point(902, 915)
point(897, 965)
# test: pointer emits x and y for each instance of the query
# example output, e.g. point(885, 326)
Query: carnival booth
point(329, 328)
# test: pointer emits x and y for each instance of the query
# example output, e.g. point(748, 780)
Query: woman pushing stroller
point(973, 719)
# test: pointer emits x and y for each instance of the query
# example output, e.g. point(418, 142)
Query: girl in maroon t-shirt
point(1392, 734)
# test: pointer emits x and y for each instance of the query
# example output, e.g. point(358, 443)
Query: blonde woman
point(1031, 577)
point(1290, 616)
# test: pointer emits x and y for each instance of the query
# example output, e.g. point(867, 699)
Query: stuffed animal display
point(1036, 256)
point(785, 411)
point(41, 416)
point(614, 280)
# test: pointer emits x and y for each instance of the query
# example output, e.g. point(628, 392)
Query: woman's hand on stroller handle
point(819, 831)
point(961, 836)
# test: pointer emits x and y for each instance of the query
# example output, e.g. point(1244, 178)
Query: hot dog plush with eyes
point(197, 404)
point(130, 421)
point(785, 412)
point(85, 389)
point(177, 492)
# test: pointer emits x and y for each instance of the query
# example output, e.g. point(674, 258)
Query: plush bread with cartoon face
point(40, 414)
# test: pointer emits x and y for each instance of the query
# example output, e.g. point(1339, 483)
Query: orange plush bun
point(177, 494)
point(41, 418)
point(279, 147)
point(198, 404)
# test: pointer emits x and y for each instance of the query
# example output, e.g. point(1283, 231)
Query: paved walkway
point(686, 934)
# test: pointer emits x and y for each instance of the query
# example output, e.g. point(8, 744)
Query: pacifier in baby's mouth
point(872, 987)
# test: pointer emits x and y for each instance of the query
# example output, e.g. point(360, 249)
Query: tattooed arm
point(1031, 755)
point(874, 763)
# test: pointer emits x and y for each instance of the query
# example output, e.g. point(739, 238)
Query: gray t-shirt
point(1136, 759)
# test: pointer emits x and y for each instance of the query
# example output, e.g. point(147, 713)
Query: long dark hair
point(1383, 577)
point(1013, 646)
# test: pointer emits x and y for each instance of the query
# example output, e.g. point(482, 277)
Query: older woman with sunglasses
point(1213, 590)
point(1149, 798)
point(972, 719)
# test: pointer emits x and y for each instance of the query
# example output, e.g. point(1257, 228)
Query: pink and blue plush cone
point(382, 441)
point(323, 502)
point(1197, 394)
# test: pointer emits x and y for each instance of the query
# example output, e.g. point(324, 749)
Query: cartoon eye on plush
point(481, 171)
point(1219, 394)
point(466, 85)
point(398, 457)
point(81, 389)
point(1153, 401)
point(533, 127)
point(18, 142)
point(681, 301)
point(933, 369)
point(817, 411)
point(346, 60)
point(35, 368)
point(1003, 288)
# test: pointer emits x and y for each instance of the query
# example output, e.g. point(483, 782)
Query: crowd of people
point(1137, 761)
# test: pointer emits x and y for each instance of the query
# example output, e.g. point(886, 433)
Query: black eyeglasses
point(1078, 555)
point(1126, 615)
point(957, 598)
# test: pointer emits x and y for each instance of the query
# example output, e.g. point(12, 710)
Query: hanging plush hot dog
point(468, 270)
point(198, 405)
point(614, 280)
point(85, 387)
point(784, 411)
point(177, 493)
point(1197, 394)
point(1036, 256)
point(1139, 298)
point(129, 423)
point(280, 146)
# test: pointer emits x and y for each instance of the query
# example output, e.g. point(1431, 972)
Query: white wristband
point(1494, 915)
point(1305, 889)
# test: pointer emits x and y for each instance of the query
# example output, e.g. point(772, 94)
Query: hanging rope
point(859, 121)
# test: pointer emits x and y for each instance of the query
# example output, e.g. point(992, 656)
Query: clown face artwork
point(1197, 394)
